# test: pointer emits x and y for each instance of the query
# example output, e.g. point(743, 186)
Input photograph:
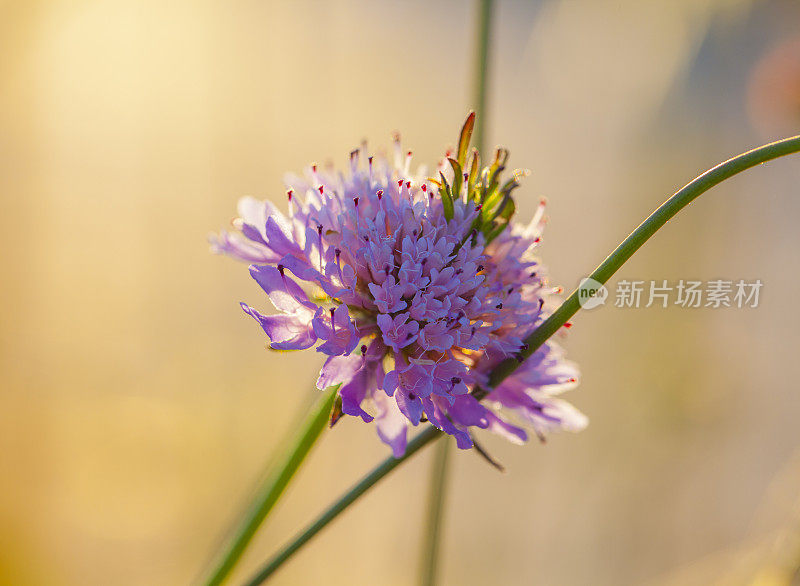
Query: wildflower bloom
point(414, 288)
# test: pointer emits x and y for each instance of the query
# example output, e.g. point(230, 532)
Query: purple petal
point(286, 332)
point(285, 294)
point(353, 393)
point(504, 429)
point(467, 411)
point(278, 241)
point(339, 369)
point(391, 423)
point(240, 248)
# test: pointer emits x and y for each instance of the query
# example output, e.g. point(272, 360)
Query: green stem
point(602, 273)
point(274, 485)
point(421, 440)
point(484, 23)
point(637, 238)
point(430, 547)
point(436, 497)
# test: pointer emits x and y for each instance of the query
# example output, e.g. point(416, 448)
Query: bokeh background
point(139, 406)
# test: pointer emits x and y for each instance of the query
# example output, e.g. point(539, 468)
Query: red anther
point(479, 207)
point(314, 168)
point(409, 153)
point(424, 187)
point(537, 240)
point(355, 201)
point(321, 188)
point(380, 194)
point(568, 325)
point(289, 193)
point(572, 380)
point(408, 184)
point(400, 183)
point(370, 160)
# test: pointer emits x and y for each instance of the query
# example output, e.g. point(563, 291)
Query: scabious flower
point(414, 288)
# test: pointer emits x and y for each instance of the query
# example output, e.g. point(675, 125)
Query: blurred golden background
point(139, 406)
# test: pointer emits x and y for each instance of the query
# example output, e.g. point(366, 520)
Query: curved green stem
point(274, 486)
point(431, 542)
point(602, 273)
point(638, 237)
point(422, 439)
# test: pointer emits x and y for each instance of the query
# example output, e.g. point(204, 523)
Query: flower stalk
point(439, 470)
point(432, 538)
point(421, 440)
point(637, 238)
point(480, 86)
point(274, 485)
point(569, 308)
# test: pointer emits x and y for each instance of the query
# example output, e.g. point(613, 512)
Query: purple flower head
point(414, 288)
